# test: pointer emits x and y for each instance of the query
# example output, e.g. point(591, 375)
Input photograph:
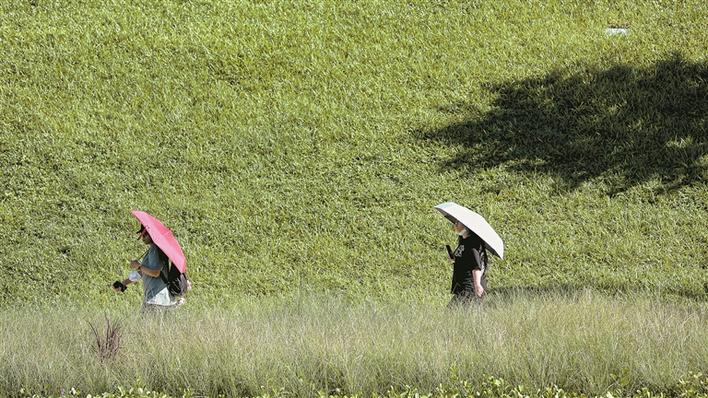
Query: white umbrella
point(475, 223)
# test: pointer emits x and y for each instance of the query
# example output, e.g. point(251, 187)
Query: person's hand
point(135, 264)
point(479, 291)
point(119, 287)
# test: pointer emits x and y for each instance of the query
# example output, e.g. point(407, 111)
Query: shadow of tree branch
point(623, 125)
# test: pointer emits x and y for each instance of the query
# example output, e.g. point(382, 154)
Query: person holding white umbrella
point(470, 261)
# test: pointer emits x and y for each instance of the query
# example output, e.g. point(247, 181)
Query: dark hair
point(473, 236)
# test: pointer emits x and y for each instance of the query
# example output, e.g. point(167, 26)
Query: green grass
point(299, 148)
point(303, 145)
point(584, 343)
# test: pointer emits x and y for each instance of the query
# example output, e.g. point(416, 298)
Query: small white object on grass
point(616, 31)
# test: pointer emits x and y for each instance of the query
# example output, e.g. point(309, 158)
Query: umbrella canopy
point(163, 238)
point(475, 223)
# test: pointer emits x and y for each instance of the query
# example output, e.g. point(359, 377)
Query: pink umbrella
point(163, 238)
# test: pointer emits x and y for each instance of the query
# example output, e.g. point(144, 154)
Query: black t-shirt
point(469, 255)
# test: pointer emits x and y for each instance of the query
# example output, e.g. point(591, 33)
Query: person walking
point(156, 295)
point(469, 261)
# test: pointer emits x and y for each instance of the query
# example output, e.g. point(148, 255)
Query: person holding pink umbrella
point(164, 281)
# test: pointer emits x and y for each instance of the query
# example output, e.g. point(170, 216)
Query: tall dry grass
point(581, 342)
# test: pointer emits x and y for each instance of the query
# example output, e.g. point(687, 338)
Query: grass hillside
point(302, 146)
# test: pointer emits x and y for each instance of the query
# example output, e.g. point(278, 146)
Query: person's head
point(460, 229)
point(144, 236)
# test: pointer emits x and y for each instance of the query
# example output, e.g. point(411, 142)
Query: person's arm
point(477, 258)
point(477, 280)
point(477, 273)
point(154, 273)
point(119, 286)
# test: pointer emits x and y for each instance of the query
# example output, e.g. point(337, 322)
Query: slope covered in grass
point(302, 146)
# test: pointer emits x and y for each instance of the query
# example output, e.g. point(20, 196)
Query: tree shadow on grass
point(623, 126)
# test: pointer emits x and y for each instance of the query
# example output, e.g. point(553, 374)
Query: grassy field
point(305, 144)
point(580, 343)
point(297, 149)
